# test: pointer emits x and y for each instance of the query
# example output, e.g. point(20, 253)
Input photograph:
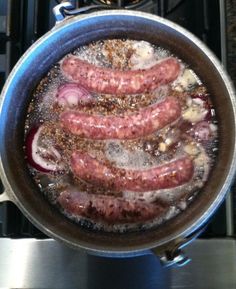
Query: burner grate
point(142, 5)
point(121, 3)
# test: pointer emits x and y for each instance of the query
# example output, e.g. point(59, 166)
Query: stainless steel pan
point(63, 38)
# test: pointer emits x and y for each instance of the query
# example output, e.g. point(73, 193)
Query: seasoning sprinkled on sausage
point(107, 80)
point(127, 126)
point(108, 208)
point(165, 176)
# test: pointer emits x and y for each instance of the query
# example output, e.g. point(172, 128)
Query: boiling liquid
point(168, 144)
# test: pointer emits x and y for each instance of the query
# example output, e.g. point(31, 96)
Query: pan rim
point(185, 231)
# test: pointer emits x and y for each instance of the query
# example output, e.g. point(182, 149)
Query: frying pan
point(32, 67)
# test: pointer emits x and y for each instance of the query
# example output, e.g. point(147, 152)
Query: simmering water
point(49, 146)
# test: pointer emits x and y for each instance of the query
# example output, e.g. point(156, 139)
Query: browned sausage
point(108, 208)
point(128, 126)
point(106, 80)
point(164, 176)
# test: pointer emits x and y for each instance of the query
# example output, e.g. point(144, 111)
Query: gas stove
point(22, 22)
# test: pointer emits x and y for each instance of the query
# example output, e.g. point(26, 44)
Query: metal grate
point(120, 3)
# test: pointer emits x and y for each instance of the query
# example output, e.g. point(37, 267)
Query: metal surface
point(175, 255)
point(200, 17)
point(213, 266)
point(64, 10)
point(66, 36)
point(58, 10)
point(229, 199)
point(229, 215)
point(223, 33)
point(4, 197)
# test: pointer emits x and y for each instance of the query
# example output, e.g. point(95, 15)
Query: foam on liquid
point(133, 156)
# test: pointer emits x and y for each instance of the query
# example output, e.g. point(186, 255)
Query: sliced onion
point(186, 80)
point(202, 99)
point(42, 159)
point(143, 56)
point(71, 95)
point(202, 131)
point(195, 113)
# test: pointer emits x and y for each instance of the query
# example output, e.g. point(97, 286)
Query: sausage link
point(127, 126)
point(165, 176)
point(108, 208)
point(106, 80)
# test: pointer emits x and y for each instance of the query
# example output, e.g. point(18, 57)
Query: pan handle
point(66, 9)
point(172, 253)
point(60, 10)
point(4, 192)
point(4, 197)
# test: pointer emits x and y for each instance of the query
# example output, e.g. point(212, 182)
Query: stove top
point(23, 22)
point(30, 263)
point(24, 248)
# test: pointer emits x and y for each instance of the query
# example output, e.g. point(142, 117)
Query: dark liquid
point(172, 142)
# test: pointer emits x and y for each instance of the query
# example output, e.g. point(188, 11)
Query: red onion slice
point(203, 100)
point(204, 131)
point(45, 160)
point(71, 95)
